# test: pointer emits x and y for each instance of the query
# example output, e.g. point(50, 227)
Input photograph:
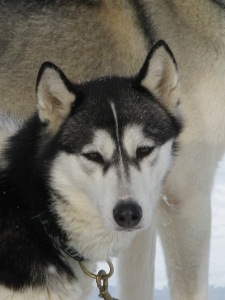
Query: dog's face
point(116, 149)
point(113, 140)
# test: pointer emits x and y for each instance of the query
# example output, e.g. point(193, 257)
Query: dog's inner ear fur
point(54, 100)
point(159, 75)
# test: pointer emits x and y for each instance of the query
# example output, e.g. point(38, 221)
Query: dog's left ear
point(55, 96)
point(159, 75)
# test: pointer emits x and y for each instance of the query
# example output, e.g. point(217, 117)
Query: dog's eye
point(94, 156)
point(142, 152)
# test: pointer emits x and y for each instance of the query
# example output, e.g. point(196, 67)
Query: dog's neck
point(63, 246)
point(60, 242)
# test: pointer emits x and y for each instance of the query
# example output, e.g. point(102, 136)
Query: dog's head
point(113, 141)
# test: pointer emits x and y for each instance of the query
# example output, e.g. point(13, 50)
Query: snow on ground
point(217, 257)
point(217, 262)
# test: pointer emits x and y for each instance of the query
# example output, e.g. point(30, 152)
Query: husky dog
point(91, 38)
point(81, 176)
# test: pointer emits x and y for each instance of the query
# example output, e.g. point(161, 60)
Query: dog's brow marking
point(116, 122)
point(118, 138)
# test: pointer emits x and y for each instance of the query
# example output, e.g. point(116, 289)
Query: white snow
point(217, 261)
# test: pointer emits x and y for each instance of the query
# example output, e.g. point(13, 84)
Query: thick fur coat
point(94, 38)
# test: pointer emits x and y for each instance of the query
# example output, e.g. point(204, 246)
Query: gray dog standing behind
point(88, 39)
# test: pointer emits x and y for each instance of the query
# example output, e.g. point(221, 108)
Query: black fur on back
point(26, 250)
point(221, 3)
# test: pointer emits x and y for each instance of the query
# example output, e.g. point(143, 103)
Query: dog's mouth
point(121, 229)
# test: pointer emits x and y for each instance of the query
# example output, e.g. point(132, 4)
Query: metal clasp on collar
point(101, 280)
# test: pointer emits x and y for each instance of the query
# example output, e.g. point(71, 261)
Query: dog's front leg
point(136, 267)
point(185, 236)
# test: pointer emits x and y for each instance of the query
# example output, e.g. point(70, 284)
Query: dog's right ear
point(54, 96)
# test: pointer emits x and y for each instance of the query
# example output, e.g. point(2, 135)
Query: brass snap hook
point(94, 276)
point(101, 279)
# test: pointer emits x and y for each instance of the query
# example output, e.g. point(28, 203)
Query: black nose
point(127, 214)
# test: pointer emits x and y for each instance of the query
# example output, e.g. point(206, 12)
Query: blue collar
point(60, 242)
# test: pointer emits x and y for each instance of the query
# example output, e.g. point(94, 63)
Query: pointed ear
point(159, 75)
point(54, 96)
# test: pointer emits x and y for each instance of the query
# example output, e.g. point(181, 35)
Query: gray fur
point(94, 38)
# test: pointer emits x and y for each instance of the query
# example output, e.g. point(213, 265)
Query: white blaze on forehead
point(133, 138)
point(122, 169)
point(102, 143)
point(116, 123)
